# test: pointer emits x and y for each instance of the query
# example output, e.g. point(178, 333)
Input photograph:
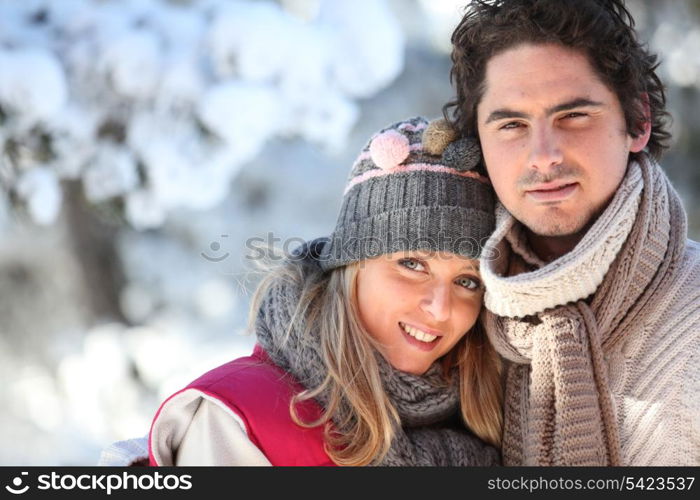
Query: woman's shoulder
point(251, 382)
point(196, 429)
point(252, 393)
point(240, 373)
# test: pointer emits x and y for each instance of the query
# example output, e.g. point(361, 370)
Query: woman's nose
point(437, 303)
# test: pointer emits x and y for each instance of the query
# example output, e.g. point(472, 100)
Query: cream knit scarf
point(556, 321)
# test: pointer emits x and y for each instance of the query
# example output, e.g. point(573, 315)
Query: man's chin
point(556, 227)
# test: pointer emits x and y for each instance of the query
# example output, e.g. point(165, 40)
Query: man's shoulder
point(692, 256)
point(677, 301)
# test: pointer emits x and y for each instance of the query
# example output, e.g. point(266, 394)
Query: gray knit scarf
point(430, 433)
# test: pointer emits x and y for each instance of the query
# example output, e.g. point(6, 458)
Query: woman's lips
point(423, 346)
point(553, 195)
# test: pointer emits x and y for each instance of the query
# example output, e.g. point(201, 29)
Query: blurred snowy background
point(144, 142)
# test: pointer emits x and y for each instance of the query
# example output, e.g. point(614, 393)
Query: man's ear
point(640, 142)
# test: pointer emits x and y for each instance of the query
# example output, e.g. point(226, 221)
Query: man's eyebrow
point(579, 102)
point(500, 114)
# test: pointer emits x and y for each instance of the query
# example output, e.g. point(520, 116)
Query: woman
point(369, 346)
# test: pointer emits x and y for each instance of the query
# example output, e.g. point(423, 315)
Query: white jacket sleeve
point(216, 437)
point(193, 428)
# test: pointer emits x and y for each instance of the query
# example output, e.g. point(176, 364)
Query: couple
point(586, 352)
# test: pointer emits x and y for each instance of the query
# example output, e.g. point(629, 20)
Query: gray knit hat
point(415, 186)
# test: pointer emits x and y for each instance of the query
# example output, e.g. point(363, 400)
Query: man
point(593, 288)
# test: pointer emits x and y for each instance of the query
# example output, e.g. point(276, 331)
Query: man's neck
point(550, 248)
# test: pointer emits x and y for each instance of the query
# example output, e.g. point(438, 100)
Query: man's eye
point(511, 126)
point(412, 264)
point(574, 115)
point(469, 283)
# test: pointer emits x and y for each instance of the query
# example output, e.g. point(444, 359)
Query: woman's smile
point(420, 338)
point(417, 306)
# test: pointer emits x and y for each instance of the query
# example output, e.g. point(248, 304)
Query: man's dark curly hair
point(601, 29)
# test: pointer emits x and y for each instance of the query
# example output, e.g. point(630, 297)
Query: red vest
point(260, 392)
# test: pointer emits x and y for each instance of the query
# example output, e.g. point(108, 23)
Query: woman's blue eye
point(411, 264)
point(469, 283)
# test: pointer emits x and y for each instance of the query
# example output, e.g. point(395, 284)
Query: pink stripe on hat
point(414, 167)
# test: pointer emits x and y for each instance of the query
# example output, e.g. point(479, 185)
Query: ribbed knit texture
point(603, 341)
point(430, 432)
point(437, 202)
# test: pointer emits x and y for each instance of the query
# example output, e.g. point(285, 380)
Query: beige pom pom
point(437, 136)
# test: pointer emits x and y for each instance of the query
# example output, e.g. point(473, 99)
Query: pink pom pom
point(389, 149)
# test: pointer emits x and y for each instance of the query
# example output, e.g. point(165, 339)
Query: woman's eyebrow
point(470, 267)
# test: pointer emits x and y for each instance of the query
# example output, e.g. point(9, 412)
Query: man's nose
point(437, 302)
point(545, 149)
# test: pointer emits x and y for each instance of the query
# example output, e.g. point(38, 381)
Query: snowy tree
point(156, 104)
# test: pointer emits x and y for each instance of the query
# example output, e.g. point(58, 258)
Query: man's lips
point(552, 192)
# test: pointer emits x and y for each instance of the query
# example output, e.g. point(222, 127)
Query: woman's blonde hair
point(359, 418)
